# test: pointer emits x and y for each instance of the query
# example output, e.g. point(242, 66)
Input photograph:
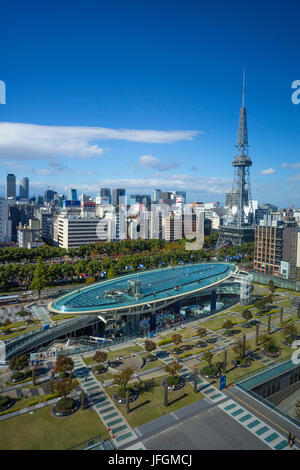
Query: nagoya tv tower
point(239, 227)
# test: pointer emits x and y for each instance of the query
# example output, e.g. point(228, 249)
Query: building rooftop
point(155, 285)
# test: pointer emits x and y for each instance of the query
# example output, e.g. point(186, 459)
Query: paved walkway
point(209, 391)
point(255, 425)
point(105, 407)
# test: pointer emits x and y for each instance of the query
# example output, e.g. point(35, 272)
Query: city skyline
point(106, 107)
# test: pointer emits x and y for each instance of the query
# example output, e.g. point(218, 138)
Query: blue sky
point(147, 94)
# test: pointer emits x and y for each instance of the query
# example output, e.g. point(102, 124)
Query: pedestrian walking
point(289, 439)
point(293, 440)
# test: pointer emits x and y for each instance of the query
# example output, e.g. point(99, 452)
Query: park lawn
point(150, 406)
point(41, 431)
point(238, 308)
point(284, 303)
point(150, 365)
point(111, 354)
point(218, 323)
point(25, 402)
point(20, 332)
point(187, 332)
point(105, 376)
point(237, 373)
point(18, 324)
point(55, 317)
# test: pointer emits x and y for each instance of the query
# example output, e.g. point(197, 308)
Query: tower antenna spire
point(243, 87)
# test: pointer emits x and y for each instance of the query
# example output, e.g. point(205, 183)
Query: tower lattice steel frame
point(238, 229)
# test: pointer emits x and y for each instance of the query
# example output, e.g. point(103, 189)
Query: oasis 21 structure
point(239, 228)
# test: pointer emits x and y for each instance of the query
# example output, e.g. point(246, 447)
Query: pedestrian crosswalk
point(104, 406)
point(255, 425)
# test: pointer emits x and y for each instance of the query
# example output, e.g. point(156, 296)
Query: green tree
point(39, 281)
point(176, 339)
point(272, 287)
point(100, 356)
point(64, 364)
point(173, 368)
point(123, 377)
point(63, 387)
point(228, 325)
point(239, 348)
point(207, 356)
point(111, 272)
point(290, 333)
point(246, 314)
point(18, 363)
point(202, 332)
point(150, 346)
point(264, 338)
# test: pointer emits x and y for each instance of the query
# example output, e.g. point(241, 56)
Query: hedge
point(185, 355)
point(9, 411)
point(164, 341)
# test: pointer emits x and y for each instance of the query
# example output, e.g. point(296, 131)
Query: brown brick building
point(275, 241)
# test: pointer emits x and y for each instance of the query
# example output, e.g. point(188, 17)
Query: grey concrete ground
point(208, 429)
point(288, 404)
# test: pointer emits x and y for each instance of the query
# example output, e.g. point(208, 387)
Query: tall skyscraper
point(239, 228)
point(11, 186)
point(73, 194)
point(118, 196)
point(5, 224)
point(49, 195)
point(24, 188)
point(156, 195)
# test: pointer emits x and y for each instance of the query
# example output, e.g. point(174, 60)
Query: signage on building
point(69, 203)
point(89, 204)
point(41, 356)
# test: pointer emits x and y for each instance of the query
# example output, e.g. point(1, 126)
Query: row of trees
point(25, 274)
point(93, 250)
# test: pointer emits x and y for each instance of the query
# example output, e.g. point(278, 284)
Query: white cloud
point(42, 171)
point(199, 187)
point(269, 171)
point(291, 165)
point(32, 142)
point(148, 161)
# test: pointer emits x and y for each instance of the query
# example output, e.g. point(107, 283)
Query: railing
point(42, 336)
point(261, 370)
point(271, 405)
point(96, 443)
point(259, 398)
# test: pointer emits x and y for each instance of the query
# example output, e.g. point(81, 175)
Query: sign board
point(222, 383)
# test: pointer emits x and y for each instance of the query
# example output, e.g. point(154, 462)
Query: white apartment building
point(71, 231)
point(29, 235)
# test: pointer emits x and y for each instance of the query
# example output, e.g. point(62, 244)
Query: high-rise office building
point(24, 188)
point(73, 194)
point(156, 195)
point(11, 186)
point(103, 196)
point(49, 195)
point(5, 224)
point(118, 196)
point(275, 245)
point(144, 199)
